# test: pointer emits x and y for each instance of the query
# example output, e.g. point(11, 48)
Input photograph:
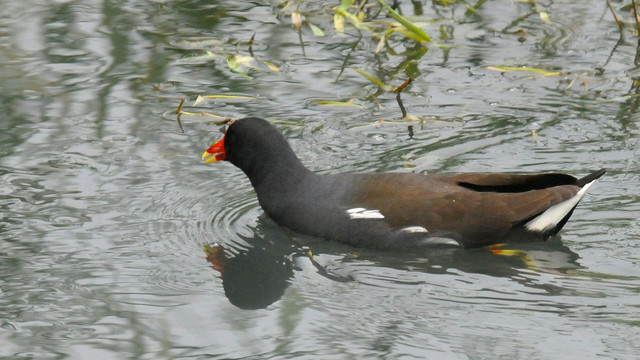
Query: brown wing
point(510, 183)
point(463, 206)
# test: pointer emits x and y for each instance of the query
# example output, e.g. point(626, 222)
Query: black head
point(255, 146)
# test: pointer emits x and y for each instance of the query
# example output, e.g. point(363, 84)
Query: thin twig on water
point(398, 90)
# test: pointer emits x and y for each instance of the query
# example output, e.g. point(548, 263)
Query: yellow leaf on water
point(296, 19)
point(338, 23)
point(374, 80)
point(336, 103)
point(237, 61)
point(200, 98)
point(273, 67)
point(227, 97)
point(525, 69)
point(411, 117)
point(352, 18)
point(345, 4)
point(245, 60)
point(408, 33)
point(419, 34)
point(316, 30)
point(207, 56)
point(545, 17)
point(382, 42)
point(232, 63)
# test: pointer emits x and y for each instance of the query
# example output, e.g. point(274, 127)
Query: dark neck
point(277, 168)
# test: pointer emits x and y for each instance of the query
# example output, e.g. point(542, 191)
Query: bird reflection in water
point(256, 276)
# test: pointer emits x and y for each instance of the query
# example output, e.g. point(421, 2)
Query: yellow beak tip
point(211, 157)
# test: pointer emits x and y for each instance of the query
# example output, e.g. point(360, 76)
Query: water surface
point(117, 242)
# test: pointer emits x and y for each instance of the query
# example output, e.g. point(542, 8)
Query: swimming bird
point(397, 210)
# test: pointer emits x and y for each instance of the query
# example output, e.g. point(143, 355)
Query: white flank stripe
point(439, 241)
point(553, 215)
point(414, 229)
point(362, 213)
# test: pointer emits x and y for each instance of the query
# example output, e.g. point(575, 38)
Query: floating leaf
point(473, 9)
point(209, 55)
point(345, 4)
point(383, 41)
point(273, 67)
point(232, 63)
point(352, 18)
point(525, 69)
point(198, 100)
point(411, 118)
point(296, 19)
point(374, 80)
point(545, 17)
point(420, 34)
point(247, 61)
point(202, 97)
point(342, 13)
point(237, 62)
point(316, 30)
point(408, 33)
point(336, 103)
point(338, 23)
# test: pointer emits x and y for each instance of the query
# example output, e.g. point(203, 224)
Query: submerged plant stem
point(398, 90)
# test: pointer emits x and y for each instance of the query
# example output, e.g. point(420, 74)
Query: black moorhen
point(397, 210)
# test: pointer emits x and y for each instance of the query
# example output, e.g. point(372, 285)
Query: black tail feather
point(589, 178)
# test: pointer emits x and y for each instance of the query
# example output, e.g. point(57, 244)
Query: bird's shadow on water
point(256, 274)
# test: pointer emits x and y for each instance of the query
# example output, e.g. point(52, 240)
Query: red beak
point(215, 153)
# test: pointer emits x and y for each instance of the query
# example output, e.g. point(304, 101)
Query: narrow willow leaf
point(408, 24)
point(296, 20)
point(354, 19)
point(200, 98)
point(316, 30)
point(207, 56)
point(374, 80)
point(338, 23)
point(336, 103)
point(273, 67)
point(545, 17)
point(525, 69)
point(234, 65)
point(408, 33)
point(382, 42)
point(474, 9)
point(345, 5)
point(247, 61)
